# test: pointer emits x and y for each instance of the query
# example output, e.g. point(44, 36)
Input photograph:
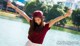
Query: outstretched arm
point(52, 22)
point(19, 11)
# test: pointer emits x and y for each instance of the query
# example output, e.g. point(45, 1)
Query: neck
point(38, 23)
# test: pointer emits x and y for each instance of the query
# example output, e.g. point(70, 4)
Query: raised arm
point(19, 11)
point(52, 22)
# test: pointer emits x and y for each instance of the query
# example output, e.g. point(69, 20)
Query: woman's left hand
point(69, 12)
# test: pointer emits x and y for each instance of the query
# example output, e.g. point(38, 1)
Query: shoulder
point(30, 20)
point(46, 24)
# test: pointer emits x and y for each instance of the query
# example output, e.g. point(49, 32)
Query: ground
point(14, 33)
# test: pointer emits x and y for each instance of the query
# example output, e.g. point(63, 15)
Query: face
point(37, 20)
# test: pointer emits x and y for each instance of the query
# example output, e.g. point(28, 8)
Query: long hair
point(35, 27)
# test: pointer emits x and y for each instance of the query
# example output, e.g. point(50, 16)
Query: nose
point(37, 19)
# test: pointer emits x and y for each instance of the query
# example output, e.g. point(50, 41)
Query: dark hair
point(35, 27)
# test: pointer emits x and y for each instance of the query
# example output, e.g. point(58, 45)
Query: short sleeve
point(47, 26)
point(30, 21)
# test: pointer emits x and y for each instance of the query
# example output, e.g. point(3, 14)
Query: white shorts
point(29, 43)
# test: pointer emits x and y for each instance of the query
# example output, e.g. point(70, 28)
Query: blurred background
point(11, 21)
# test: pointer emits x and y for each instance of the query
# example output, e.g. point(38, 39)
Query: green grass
point(69, 23)
point(24, 20)
point(65, 30)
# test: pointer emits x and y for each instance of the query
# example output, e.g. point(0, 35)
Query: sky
point(20, 2)
point(51, 0)
point(55, 1)
point(43, 0)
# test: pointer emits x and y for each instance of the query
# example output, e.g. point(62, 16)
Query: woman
point(38, 28)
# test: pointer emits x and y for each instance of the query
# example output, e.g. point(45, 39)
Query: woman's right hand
point(9, 4)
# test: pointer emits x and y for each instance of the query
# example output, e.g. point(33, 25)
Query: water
point(14, 33)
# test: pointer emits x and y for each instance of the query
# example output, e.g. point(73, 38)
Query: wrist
point(14, 7)
point(65, 16)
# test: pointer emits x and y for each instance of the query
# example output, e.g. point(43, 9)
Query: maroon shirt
point(39, 37)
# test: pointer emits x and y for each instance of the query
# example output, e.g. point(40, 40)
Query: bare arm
point(52, 22)
point(19, 11)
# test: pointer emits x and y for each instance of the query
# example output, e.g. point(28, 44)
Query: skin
point(37, 19)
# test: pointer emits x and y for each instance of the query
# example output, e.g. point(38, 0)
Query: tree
point(55, 12)
point(32, 6)
point(50, 12)
point(76, 18)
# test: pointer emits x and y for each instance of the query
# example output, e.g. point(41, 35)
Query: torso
point(39, 37)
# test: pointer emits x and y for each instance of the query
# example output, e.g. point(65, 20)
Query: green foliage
point(55, 12)
point(50, 12)
point(76, 17)
point(32, 6)
point(65, 9)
